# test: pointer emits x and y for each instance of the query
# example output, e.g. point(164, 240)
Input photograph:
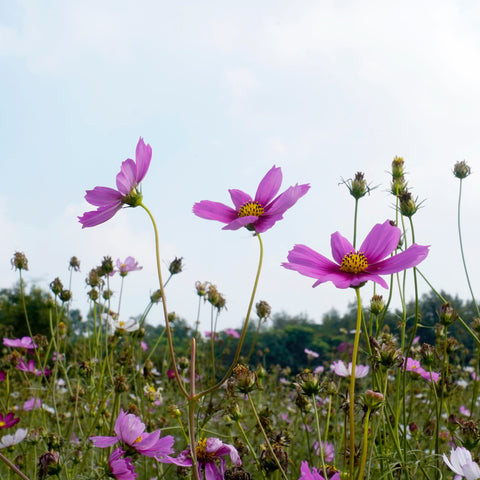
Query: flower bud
point(56, 286)
point(308, 383)
point(398, 185)
point(373, 400)
point(358, 186)
point(93, 294)
point(447, 314)
point(74, 264)
point(93, 279)
point(263, 310)
point(461, 170)
point(397, 167)
point(428, 354)
point(377, 305)
point(62, 329)
point(107, 294)
point(175, 266)
point(245, 379)
point(120, 384)
point(408, 206)
point(19, 261)
point(48, 464)
point(65, 295)
point(156, 296)
point(107, 267)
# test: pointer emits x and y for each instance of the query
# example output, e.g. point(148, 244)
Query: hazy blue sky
point(222, 91)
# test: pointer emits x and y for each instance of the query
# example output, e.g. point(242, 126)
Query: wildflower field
point(107, 398)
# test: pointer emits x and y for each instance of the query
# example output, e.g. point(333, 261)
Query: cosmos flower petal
point(340, 247)
point(287, 199)
point(269, 186)
point(382, 240)
point(102, 196)
point(265, 222)
point(143, 156)
point(127, 177)
point(212, 472)
point(411, 257)
point(103, 442)
point(239, 198)
point(240, 222)
point(360, 278)
point(214, 211)
point(308, 262)
point(101, 215)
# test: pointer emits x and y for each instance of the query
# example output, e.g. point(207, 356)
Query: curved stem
point(244, 329)
point(363, 460)
point(461, 249)
point(164, 305)
point(351, 395)
point(13, 467)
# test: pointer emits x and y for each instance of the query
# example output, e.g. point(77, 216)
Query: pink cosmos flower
point(121, 468)
point(355, 267)
point(32, 404)
point(130, 432)
point(464, 410)
point(232, 333)
point(24, 342)
point(462, 465)
point(342, 370)
point(256, 214)
point(125, 267)
point(8, 420)
point(311, 354)
point(328, 451)
point(314, 474)
point(29, 367)
point(210, 458)
point(108, 200)
point(414, 366)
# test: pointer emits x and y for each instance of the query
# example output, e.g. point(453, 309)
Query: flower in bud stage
point(93, 294)
point(56, 286)
point(156, 296)
point(461, 170)
point(308, 382)
point(201, 288)
point(246, 380)
point(358, 186)
point(398, 186)
point(373, 400)
point(176, 266)
point(93, 279)
point(106, 268)
point(377, 305)
point(397, 167)
point(48, 464)
point(65, 295)
point(74, 264)
point(19, 261)
point(408, 206)
point(263, 310)
point(428, 354)
point(447, 314)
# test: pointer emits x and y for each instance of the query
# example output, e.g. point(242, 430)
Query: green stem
point(351, 398)
point(244, 329)
point(267, 441)
point(363, 460)
point(164, 305)
point(461, 249)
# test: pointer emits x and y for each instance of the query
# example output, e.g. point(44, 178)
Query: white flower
point(462, 464)
point(130, 325)
point(10, 440)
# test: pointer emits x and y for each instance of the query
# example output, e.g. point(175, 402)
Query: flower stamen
point(354, 262)
point(251, 209)
point(202, 454)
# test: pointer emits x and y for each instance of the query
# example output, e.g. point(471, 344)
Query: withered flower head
point(19, 261)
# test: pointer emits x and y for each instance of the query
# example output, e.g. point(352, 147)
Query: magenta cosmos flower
point(120, 467)
point(355, 267)
point(8, 420)
point(24, 342)
point(210, 458)
point(256, 214)
point(108, 200)
point(130, 432)
point(314, 474)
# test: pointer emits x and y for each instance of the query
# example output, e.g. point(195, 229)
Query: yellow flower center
point(250, 209)
point(139, 439)
point(202, 455)
point(354, 262)
point(2, 423)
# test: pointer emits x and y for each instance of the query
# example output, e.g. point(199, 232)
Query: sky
point(222, 91)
